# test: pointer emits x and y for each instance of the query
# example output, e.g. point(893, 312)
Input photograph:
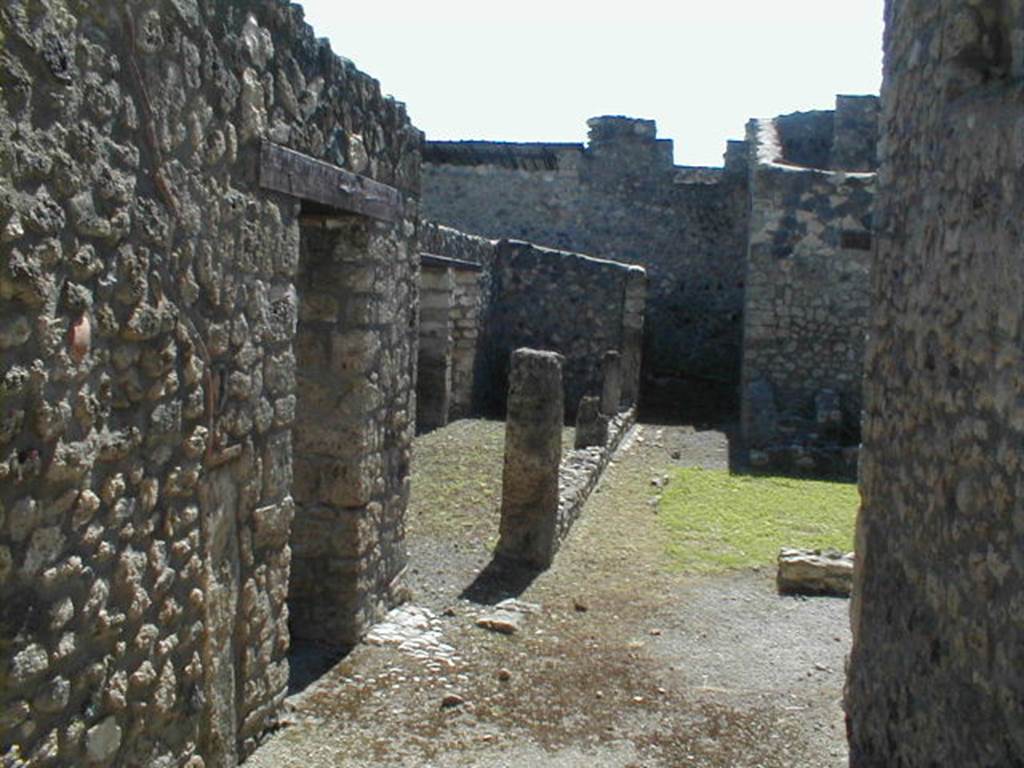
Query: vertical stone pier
point(591, 424)
point(633, 310)
point(434, 366)
point(611, 377)
point(533, 450)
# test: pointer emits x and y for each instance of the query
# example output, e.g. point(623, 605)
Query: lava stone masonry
point(148, 377)
point(936, 675)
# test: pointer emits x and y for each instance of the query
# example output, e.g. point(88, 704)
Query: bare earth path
point(620, 663)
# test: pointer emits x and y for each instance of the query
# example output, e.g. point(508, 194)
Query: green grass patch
point(717, 521)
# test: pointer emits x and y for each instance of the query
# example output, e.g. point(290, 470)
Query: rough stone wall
point(619, 198)
point(807, 285)
point(936, 674)
point(563, 302)
point(528, 296)
point(147, 317)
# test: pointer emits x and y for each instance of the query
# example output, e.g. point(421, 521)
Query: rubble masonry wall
point(807, 281)
point(936, 673)
point(148, 314)
point(545, 299)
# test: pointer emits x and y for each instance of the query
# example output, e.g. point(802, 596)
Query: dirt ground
point(619, 662)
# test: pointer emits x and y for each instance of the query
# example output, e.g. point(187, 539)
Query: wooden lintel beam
point(293, 173)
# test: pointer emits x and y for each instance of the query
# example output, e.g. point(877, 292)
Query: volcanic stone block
point(611, 375)
point(533, 449)
point(591, 424)
point(815, 572)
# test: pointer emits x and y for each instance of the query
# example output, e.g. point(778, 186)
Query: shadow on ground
point(499, 580)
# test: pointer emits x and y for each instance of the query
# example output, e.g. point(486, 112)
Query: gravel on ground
point(618, 661)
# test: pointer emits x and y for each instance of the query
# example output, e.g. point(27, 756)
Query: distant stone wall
point(148, 311)
point(936, 673)
point(619, 198)
point(807, 297)
point(565, 303)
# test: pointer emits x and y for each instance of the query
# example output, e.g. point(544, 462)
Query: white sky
point(535, 70)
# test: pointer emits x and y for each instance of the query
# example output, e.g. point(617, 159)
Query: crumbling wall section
point(807, 303)
point(147, 317)
point(936, 673)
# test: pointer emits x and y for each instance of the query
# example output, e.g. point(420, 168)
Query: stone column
point(611, 375)
point(591, 424)
point(533, 450)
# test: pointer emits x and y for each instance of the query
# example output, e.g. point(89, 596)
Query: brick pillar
point(591, 424)
point(533, 450)
point(611, 374)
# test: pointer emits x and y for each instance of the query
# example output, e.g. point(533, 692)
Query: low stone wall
point(807, 298)
point(581, 470)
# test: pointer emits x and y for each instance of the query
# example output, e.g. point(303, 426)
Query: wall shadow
point(309, 660)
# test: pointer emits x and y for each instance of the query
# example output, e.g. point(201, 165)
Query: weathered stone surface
point(150, 294)
point(936, 674)
point(507, 617)
point(572, 304)
point(526, 296)
point(102, 741)
point(761, 415)
point(416, 631)
point(436, 347)
point(469, 305)
point(815, 572)
point(620, 198)
point(533, 449)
